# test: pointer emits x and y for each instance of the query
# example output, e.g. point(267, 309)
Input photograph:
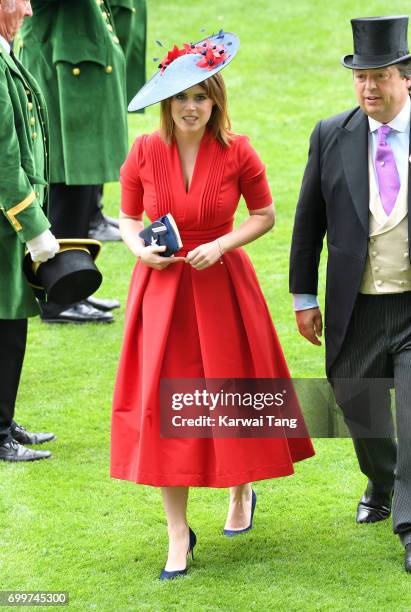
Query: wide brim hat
point(378, 42)
point(183, 68)
point(70, 276)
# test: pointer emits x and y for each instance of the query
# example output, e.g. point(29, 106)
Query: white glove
point(43, 247)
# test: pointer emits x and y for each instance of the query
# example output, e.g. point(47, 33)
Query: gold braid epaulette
point(12, 212)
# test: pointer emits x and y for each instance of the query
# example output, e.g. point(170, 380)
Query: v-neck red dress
point(187, 323)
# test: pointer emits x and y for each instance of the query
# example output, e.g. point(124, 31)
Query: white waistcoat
point(388, 268)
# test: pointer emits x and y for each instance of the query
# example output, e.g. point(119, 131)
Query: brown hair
point(219, 123)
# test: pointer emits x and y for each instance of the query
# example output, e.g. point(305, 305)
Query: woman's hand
point(149, 257)
point(205, 255)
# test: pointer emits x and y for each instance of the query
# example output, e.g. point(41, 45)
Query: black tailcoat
point(334, 199)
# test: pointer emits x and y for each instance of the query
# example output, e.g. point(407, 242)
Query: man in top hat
point(356, 189)
point(73, 51)
point(23, 223)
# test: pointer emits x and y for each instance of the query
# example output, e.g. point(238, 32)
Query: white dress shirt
point(398, 139)
point(5, 44)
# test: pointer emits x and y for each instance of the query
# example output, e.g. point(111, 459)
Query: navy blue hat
point(378, 42)
point(183, 68)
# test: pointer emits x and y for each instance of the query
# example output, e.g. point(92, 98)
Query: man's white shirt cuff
point(304, 301)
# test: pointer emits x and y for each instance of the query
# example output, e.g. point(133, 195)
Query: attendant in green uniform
point(72, 49)
point(23, 223)
point(130, 21)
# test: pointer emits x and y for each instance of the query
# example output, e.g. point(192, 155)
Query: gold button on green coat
point(23, 195)
point(87, 112)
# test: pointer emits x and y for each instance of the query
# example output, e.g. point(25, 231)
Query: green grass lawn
point(64, 525)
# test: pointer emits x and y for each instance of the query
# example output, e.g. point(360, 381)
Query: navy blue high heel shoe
point(233, 532)
point(165, 575)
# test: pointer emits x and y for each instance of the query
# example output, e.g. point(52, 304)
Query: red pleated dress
point(187, 323)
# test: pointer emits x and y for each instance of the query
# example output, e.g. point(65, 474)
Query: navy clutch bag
point(163, 232)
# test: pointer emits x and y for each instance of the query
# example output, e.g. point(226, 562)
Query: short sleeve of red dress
point(132, 191)
point(253, 180)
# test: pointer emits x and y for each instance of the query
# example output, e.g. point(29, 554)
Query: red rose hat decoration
point(212, 54)
point(173, 55)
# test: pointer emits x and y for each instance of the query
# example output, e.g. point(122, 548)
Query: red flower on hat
point(173, 55)
point(212, 54)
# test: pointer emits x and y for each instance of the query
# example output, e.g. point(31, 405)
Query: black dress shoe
point(105, 232)
point(79, 313)
point(13, 451)
point(112, 221)
point(101, 304)
point(407, 559)
point(374, 508)
point(99, 217)
point(22, 436)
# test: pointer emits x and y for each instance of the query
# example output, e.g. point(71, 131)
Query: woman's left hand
point(204, 256)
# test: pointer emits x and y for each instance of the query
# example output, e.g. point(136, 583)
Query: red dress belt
point(193, 238)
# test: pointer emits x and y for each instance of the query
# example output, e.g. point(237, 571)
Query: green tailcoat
point(72, 49)
point(130, 19)
point(23, 172)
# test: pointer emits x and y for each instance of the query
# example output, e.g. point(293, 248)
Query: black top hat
point(378, 42)
point(70, 276)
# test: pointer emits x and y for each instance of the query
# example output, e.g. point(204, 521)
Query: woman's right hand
point(148, 256)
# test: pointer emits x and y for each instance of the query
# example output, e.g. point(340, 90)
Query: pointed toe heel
point(192, 541)
point(171, 575)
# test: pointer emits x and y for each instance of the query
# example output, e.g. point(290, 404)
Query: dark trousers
point(71, 207)
point(97, 216)
point(378, 346)
point(70, 210)
point(13, 336)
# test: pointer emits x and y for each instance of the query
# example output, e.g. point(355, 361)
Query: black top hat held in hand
point(378, 42)
point(70, 276)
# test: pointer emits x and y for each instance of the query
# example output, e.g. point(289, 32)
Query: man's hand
point(310, 324)
point(43, 247)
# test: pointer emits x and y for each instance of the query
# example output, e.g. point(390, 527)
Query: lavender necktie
point(387, 172)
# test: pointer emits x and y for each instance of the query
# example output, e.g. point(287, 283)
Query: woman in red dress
point(200, 314)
